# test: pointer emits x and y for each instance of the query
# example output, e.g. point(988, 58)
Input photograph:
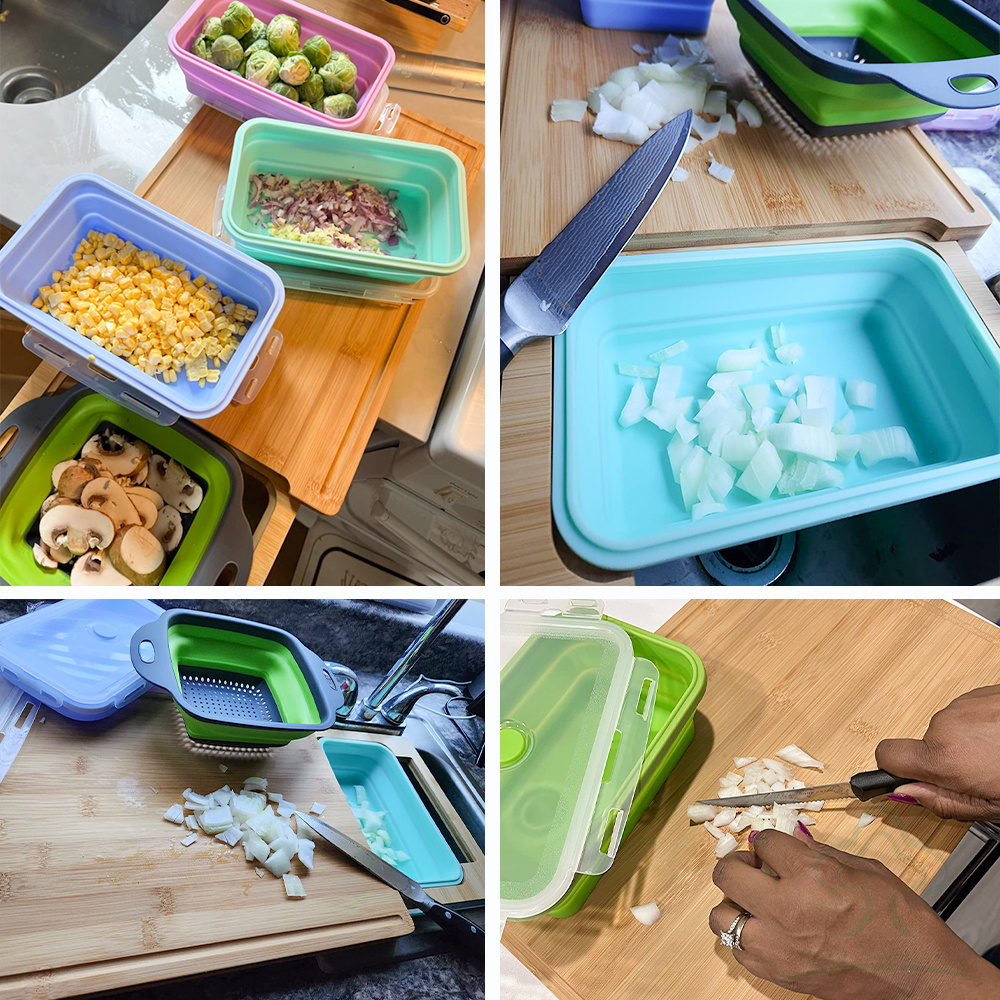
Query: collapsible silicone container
point(46, 243)
point(388, 789)
point(73, 656)
point(51, 429)
point(235, 681)
point(679, 17)
point(576, 707)
point(233, 95)
point(430, 181)
point(887, 311)
point(679, 689)
point(844, 66)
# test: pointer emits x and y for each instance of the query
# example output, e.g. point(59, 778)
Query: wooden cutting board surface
point(96, 891)
point(314, 415)
point(785, 185)
point(835, 677)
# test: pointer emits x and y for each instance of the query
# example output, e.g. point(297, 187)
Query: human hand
point(841, 927)
point(956, 766)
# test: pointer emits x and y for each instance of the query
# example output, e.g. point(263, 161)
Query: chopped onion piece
point(865, 819)
point(788, 386)
point(887, 442)
point(638, 371)
point(720, 171)
point(739, 449)
point(668, 381)
point(857, 392)
point(743, 761)
point(790, 412)
point(279, 863)
point(669, 352)
point(175, 814)
point(705, 507)
point(715, 103)
point(191, 822)
point(677, 451)
point(763, 472)
point(232, 836)
point(807, 820)
point(780, 769)
point(726, 845)
point(703, 129)
point(679, 174)
point(789, 354)
point(747, 112)
point(689, 144)
point(757, 395)
point(285, 808)
point(724, 817)
point(721, 380)
point(647, 913)
point(812, 441)
point(714, 831)
point(216, 820)
point(699, 813)
point(223, 768)
point(728, 793)
point(810, 806)
point(318, 808)
point(259, 872)
point(620, 125)
point(727, 124)
point(635, 405)
point(293, 887)
point(687, 430)
point(256, 847)
point(567, 111)
point(275, 797)
point(192, 798)
point(255, 785)
point(306, 849)
point(735, 360)
point(797, 756)
point(189, 839)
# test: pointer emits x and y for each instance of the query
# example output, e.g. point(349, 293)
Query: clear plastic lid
point(575, 709)
point(74, 655)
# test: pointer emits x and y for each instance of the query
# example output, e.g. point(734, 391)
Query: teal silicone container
point(430, 180)
point(411, 828)
point(888, 311)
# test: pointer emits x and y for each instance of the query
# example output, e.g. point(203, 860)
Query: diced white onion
point(679, 174)
point(762, 473)
point(669, 352)
point(715, 103)
point(747, 112)
point(789, 354)
point(797, 756)
point(318, 808)
point(189, 839)
point(812, 441)
point(567, 111)
point(699, 813)
point(293, 887)
point(232, 836)
point(255, 785)
point(720, 171)
point(886, 443)
point(757, 395)
point(735, 360)
point(865, 819)
point(713, 830)
point(858, 392)
point(175, 814)
point(726, 845)
point(724, 817)
point(635, 405)
point(743, 761)
point(647, 913)
point(637, 371)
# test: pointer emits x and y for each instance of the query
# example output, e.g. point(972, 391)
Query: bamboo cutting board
point(97, 893)
point(314, 415)
point(785, 186)
point(835, 677)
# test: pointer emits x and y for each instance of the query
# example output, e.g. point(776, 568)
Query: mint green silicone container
point(431, 182)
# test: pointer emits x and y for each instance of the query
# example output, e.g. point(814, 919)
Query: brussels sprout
point(236, 20)
point(338, 75)
point(257, 32)
point(295, 69)
point(340, 106)
point(285, 89)
point(227, 52)
point(261, 68)
point(202, 47)
point(259, 46)
point(331, 80)
point(212, 28)
point(283, 34)
point(312, 89)
point(354, 92)
point(317, 50)
point(317, 105)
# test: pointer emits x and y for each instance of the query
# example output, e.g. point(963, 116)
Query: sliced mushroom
point(75, 528)
point(94, 569)
point(119, 455)
point(145, 491)
point(55, 500)
point(59, 469)
point(174, 483)
point(168, 528)
point(147, 504)
point(59, 556)
point(107, 496)
point(42, 557)
point(138, 554)
point(75, 477)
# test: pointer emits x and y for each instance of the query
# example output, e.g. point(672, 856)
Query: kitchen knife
point(448, 918)
point(542, 300)
point(863, 786)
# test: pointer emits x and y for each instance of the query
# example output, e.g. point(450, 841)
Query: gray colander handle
point(32, 420)
point(151, 640)
point(933, 81)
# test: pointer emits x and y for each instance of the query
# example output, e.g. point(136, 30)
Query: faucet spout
point(396, 709)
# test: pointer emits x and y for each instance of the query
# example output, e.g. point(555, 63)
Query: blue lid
point(74, 656)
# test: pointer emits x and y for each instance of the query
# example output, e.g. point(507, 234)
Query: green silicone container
point(840, 67)
point(54, 428)
point(679, 690)
point(431, 182)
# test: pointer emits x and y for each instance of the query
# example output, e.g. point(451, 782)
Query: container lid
point(575, 709)
point(73, 656)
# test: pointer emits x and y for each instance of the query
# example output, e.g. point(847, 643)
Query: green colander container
point(236, 682)
point(841, 67)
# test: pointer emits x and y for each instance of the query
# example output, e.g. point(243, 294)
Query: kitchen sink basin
point(50, 48)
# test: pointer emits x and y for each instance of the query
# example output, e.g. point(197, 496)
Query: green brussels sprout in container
point(295, 69)
point(338, 75)
point(318, 105)
point(317, 50)
point(261, 68)
point(227, 52)
point(259, 46)
point(283, 34)
point(202, 47)
point(257, 33)
point(340, 106)
point(285, 89)
point(355, 93)
point(212, 28)
point(331, 80)
point(312, 89)
point(236, 20)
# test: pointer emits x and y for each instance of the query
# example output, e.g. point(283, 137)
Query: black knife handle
point(870, 784)
point(462, 927)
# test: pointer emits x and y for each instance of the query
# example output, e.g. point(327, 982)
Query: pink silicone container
point(235, 96)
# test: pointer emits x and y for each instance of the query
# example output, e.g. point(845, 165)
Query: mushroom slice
point(144, 507)
point(119, 455)
point(168, 528)
point(174, 483)
point(94, 569)
point(58, 470)
point(137, 554)
point(74, 478)
point(107, 496)
point(75, 528)
point(145, 491)
point(42, 557)
point(55, 500)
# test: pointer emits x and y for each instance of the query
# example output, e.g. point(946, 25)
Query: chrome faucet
point(395, 710)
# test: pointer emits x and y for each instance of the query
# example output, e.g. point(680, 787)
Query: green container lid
point(575, 707)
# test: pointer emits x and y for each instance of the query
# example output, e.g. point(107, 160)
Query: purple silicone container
point(238, 97)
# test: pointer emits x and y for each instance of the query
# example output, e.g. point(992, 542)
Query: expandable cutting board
point(96, 891)
point(785, 186)
point(835, 677)
point(313, 417)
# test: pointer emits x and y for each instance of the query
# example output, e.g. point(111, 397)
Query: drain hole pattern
point(232, 695)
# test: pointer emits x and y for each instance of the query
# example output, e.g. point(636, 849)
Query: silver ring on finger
point(730, 937)
point(738, 930)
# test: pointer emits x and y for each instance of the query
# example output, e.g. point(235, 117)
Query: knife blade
point(863, 786)
point(542, 300)
point(451, 920)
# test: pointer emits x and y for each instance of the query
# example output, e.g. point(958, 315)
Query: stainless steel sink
point(50, 48)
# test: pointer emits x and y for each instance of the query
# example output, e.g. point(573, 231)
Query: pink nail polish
point(753, 833)
point(903, 798)
point(805, 829)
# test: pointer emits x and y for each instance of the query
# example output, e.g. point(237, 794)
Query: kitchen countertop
point(368, 637)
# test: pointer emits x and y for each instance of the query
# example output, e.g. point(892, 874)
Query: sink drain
point(29, 85)
point(755, 564)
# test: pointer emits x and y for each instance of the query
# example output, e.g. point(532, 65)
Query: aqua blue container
point(887, 311)
point(676, 17)
point(431, 182)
